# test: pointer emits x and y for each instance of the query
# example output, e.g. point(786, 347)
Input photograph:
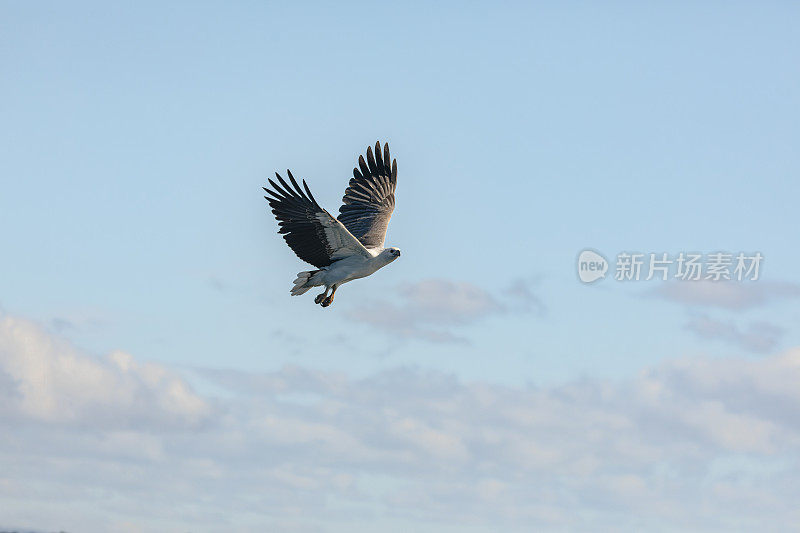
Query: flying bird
point(347, 247)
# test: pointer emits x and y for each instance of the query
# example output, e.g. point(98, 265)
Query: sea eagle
point(344, 248)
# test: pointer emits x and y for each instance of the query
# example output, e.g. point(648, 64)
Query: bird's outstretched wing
point(369, 199)
point(310, 231)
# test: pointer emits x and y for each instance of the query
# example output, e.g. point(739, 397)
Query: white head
point(391, 254)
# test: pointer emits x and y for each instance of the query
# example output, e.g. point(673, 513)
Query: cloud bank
point(435, 309)
point(731, 295)
point(113, 444)
point(758, 337)
point(44, 379)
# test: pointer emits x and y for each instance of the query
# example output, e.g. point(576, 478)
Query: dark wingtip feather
point(297, 187)
point(311, 196)
point(371, 161)
point(287, 188)
point(274, 186)
point(379, 157)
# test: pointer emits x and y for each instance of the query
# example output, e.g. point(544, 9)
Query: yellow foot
point(319, 298)
point(327, 301)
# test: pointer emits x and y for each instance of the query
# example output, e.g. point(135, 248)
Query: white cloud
point(434, 309)
point(691, 444)
point(760, 337)
point(46, 379)
point(732, 295)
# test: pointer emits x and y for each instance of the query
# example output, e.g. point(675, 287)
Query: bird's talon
point(327, 301)
point(319, 298)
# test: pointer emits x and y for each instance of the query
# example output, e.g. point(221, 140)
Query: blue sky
point(135, 140)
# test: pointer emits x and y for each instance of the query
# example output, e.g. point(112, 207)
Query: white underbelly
point(348, 269)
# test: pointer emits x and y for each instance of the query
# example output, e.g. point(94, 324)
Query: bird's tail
point(304, 281)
